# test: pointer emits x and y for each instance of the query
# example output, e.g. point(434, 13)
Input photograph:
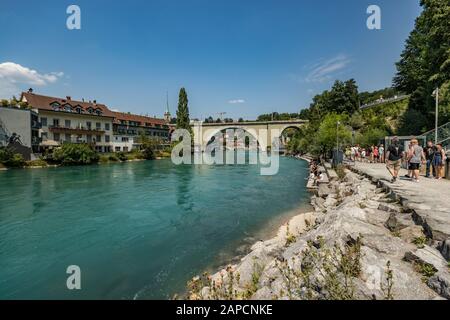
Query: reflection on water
point(137, 230)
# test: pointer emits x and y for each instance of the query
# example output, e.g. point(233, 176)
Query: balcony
point(77, 130)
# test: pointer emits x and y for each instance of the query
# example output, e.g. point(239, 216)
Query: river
point(137, 230)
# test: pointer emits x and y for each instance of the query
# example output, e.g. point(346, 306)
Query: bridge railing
point(383, 101)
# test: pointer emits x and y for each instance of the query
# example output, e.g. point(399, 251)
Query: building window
point(56, 122)
point(90, 110)
point(55, 106)
point(124, 139)
point(67, 108)
point(117, 149)
point(98, 112)
point(98, 125)
point(56, 137)
point(125, 149)
point(106, 138)
point(88, 138)
point(106, 126)
point(78, 110)
point(67, 137)
point(67, 123)
point(44, 135)
point(89, 125)
point(99, 138)
point(44, 122)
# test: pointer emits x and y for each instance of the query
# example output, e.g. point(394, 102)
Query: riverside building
point(66, 120)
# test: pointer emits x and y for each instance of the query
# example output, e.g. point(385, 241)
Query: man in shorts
point(394, 155)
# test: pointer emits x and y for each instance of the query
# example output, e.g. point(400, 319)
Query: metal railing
point(383, 101)
point(443, 134)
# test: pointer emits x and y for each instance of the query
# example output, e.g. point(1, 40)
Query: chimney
point(68, 98)
point(30, 90)
point(95, 101)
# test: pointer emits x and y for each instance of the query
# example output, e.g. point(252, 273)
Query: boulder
point(444, 248)
point(392, 223)
point(330, 202)
point(427, 255)
point(323, 191)
point(440, 283)
point(389, 208)
point(408, 234)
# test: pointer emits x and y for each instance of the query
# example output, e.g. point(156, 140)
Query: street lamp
point(436, 94)
point(337, 136)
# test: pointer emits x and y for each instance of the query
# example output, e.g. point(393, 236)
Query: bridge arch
point(248, 133)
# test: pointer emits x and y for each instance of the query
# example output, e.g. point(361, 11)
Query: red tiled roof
point(121, 116)
point(45, 103)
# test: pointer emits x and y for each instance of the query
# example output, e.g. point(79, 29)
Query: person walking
point(409, 175)
point(376, 154)
point(381, 151)
point(429, 154)
point(439, 160)
point(394, 155)
point(416, 156)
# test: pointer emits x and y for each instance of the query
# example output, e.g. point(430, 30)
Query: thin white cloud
point(325, 70)
point(13, 75)
point(236, 101)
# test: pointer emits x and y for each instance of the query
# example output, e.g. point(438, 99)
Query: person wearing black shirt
point(430, 149)
point(394, 155)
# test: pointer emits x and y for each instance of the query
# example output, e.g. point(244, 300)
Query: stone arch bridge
point(266, 133)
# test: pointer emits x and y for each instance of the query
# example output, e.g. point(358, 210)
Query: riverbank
point(41, 164)
point(357, 243)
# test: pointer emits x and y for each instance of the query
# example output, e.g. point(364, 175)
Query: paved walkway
point(429, 199)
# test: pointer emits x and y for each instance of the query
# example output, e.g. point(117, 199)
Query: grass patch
point(425, 269)
point(420, 242)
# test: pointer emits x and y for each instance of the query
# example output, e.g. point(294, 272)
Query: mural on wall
point(14, 140)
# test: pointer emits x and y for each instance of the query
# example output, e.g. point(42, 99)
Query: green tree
point(74, 154)
point(148, 146)
point(183, 121)
point(425, 61)
point(332, 129)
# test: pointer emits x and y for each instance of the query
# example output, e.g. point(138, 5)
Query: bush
point(340, 171)
point(148, 153)
point(11, 159)
point(122, 156)
point(74, 154)
point(113, 157)
point(37, 163)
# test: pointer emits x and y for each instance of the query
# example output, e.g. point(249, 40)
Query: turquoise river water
point(137, 230)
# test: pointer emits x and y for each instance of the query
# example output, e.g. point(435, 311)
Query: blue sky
point(243, 57)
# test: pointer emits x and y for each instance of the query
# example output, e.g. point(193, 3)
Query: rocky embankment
point(357, 244)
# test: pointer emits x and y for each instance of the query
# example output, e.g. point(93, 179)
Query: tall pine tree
point(183, 121)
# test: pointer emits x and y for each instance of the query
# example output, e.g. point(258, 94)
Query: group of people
point(433, 156)
point(315, 172)
point(373, 154)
